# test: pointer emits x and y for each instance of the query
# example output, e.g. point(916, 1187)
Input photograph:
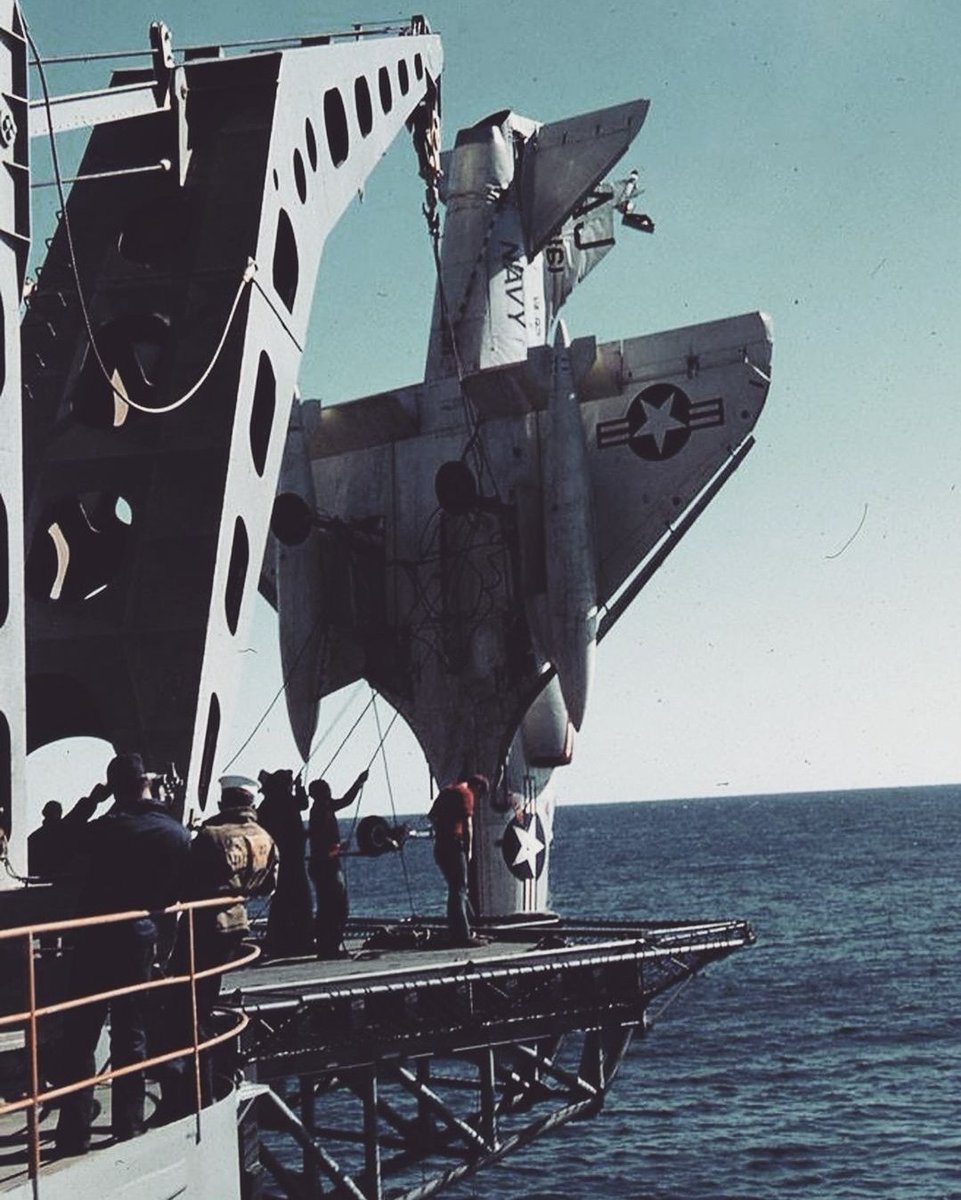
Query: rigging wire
point(390, 792)
point(277, 313)
point(649, 1023)
point(382, 737)
point(280, 691)
point(246, 278)
point(345, 739)
point(362, 29)
point(331, 725)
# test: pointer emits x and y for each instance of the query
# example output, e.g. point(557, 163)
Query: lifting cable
point(429, 153)
point(393, 807)
point(344, 740)
point(280, 691)
point(331, 725)
point(246, 278)
point(382, 735)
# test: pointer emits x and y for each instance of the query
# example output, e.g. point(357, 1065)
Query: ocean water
point(824, 1062)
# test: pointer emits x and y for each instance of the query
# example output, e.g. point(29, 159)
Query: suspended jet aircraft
point(463, 543)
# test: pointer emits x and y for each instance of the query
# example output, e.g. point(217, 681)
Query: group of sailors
point(140, 857)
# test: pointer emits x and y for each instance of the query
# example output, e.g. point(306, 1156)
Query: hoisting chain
point(425, 131)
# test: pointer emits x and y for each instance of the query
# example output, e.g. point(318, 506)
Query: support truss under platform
point(399, 1071)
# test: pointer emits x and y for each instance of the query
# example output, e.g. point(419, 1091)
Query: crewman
point(232, 855)
point(289, 922)
point(136, 858)
point(452, 816)
point(52, 847)
point(324, 864)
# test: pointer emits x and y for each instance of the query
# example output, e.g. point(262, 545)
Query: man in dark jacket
point(326, 872)
point(289, 920)
point(452, 816)
point(135, 857)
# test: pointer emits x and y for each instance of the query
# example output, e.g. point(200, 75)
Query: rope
point(75, 270)
point(345, 739)
point(330, 727)
point(393, 809)
point(280, 691)
point(426, 136)
point(277, 313)
point(474, 446)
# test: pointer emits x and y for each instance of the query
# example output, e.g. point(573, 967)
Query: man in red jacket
point(452, 816)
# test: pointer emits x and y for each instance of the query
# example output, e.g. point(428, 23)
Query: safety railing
point(33, 1013)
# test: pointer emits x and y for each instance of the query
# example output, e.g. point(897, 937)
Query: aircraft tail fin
point(565, 160)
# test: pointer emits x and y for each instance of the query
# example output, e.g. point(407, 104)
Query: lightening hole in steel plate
point(286, 268)
point(363, 106)
point(210, 749)
point(311, 139)
point(236, 575)
point(386, 95)
point(300, 176)
point(335, 121)
point(262, 412)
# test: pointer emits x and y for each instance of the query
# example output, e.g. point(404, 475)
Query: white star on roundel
point(529, 846)
point(659, 420)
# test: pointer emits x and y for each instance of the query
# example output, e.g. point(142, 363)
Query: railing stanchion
point(33, 1114)
point(195, 1032)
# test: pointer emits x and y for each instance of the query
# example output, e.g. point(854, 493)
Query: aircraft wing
point(663, 414)
point(664, 417)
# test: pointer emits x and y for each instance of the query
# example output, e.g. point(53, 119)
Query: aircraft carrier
point(461, 543)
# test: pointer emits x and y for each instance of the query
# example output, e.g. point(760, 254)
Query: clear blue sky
point(802, 158)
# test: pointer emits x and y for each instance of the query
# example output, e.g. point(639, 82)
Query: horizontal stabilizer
point(664, 414)
point(564, 160)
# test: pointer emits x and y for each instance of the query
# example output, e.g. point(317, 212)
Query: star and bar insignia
point(524, 847)
point(659, 422)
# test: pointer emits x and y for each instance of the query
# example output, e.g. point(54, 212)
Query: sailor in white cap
point(237, 791)
point(232, 855)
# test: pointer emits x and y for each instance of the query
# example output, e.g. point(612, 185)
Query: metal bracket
point(171, 91)
point(166, 91)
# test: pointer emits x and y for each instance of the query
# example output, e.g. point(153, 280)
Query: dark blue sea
point(825, 1061)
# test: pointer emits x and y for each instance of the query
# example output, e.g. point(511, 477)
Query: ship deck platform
point(403, 991)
